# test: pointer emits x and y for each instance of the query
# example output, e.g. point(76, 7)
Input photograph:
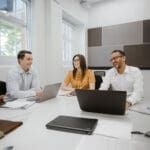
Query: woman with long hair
point(80, 77)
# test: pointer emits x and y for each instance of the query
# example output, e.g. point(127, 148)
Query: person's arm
point(66, 87)
point(13, 90)
point(92, 86)
point(2, 99)
point(91, 80)
point(66, 84)
point(106, 81)
point(137, 93)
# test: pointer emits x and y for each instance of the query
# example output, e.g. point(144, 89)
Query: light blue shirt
point(130, 81)
point(21, 84)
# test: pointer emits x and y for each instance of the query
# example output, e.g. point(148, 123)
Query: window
point(14, 29)
point(74, 37)
point(67, 42)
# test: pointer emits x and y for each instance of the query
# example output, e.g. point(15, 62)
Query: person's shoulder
point(13, 73)
point(111, 70)
point(13, 70)
point(70, 72)
point(90, 70)
point(134, 69)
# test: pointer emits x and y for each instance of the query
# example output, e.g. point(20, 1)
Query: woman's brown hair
point(82, 65)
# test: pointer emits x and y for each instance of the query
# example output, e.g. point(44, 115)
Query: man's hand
point(128, 104)
point(2, 99)
point(39, 93)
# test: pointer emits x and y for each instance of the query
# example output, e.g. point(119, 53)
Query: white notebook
point(19, 103)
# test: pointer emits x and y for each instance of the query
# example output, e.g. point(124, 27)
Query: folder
point(7, 126)
point(73, 124)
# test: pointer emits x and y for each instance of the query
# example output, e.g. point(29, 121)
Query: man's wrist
point(129, 104)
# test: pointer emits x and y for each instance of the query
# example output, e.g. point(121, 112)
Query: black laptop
point(110, 102)
point(73, 124)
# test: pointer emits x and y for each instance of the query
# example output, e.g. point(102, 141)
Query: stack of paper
point(114, 128)
point(63, 93)
point(96, 142)
point(143, 107)
point(19, 103)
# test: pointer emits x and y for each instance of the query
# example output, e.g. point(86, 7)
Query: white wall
point(111, 12)
point(39, 37)
point(47, 36)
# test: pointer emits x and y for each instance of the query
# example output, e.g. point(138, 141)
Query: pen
point(8, 148)
point(137, 132)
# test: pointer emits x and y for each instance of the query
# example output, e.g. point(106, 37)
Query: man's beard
point(117, 66)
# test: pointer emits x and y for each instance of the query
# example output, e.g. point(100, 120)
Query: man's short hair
point(119, 51)
point(22, 53)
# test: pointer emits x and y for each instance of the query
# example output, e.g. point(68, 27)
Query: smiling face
point(117, 60)
point(26, 62)
point(76, 62)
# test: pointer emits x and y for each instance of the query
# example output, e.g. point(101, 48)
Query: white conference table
point(33, 135)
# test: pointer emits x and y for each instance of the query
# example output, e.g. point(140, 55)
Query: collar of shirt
point(126, 70)
point(21, 71)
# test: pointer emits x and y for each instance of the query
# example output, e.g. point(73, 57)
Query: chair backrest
point(2, 87)
point(98, 78)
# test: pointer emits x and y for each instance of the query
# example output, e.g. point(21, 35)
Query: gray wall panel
point(146, 31)
point(128, 33)
point(133, 36)
point(138, 55)
point(94, 37)
point(100, 56)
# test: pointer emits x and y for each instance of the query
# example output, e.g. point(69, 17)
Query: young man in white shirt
point(23, 81)
point(124, 78)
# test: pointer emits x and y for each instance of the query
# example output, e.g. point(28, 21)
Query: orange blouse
point(78, 82)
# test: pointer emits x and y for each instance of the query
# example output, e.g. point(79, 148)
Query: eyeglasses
point(114, 58)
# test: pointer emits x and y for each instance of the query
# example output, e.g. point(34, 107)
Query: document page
point(114, 128)
point(19, 103)
point(97, 142)
point(143, 107)
point(63, 93)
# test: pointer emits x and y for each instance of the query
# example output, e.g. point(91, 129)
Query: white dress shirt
point(21, 84)
point(130, 81)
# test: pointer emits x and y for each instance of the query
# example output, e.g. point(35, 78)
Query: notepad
point(19, 103)
point(73, 124)
point(7, 126)
point(143, 107)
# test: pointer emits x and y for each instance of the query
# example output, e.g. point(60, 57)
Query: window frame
point(68, 40)
point(7, 17)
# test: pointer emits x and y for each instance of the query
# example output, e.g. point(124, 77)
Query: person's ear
point(124, 58)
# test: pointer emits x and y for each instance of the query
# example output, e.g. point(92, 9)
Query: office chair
point(2, 87)
point(98, 78)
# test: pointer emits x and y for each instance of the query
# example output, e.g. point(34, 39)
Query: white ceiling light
point(85, 4)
